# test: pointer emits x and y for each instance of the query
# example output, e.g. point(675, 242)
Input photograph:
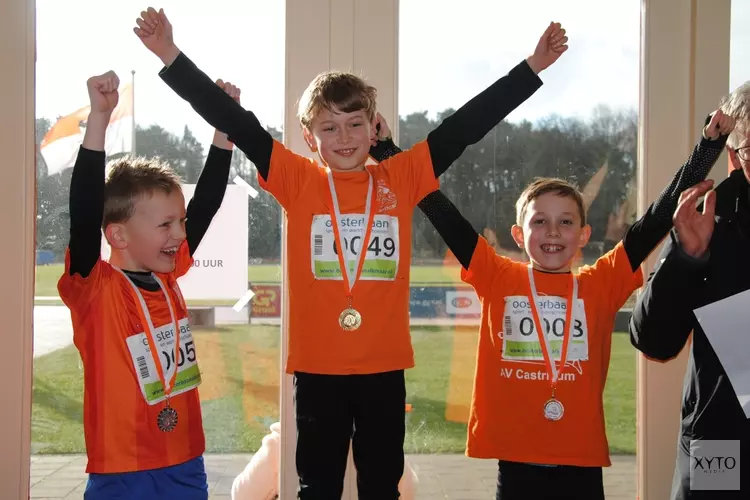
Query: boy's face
point(341, 139)
point(150, 238)
point(552, 233)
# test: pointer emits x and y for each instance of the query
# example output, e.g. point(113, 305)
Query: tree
point(264, 212)
point(191, 156)
point(52, 220)
point(154, 141)
point(484, 182)
point(488, 178)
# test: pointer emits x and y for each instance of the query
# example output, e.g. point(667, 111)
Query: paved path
point(447, 477)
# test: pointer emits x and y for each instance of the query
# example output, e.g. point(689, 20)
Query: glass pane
point(581, 126)
point(739, 47)
point(238, 352)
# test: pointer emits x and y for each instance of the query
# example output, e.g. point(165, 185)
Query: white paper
point(725, 324)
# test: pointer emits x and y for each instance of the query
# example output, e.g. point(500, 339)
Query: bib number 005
point(188, 353)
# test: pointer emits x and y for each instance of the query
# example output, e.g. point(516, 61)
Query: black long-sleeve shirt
point(87, 208)
point(663, 320)
point(639, 241)
point(447, 142)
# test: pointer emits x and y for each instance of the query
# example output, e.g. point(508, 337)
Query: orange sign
point(266, 301)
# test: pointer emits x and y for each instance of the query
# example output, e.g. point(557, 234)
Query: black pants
point(516, 481)
point(331, 410)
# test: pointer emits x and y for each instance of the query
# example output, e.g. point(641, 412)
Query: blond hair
point(544, 185)
point(336, 91)
point(131, 178)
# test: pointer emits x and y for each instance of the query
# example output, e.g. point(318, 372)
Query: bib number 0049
point(354, 244)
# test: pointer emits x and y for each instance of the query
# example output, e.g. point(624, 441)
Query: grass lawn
point(240, 392)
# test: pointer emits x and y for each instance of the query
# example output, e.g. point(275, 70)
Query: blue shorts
point(186, 481)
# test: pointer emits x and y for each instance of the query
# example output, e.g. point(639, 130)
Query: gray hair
point(737, 105)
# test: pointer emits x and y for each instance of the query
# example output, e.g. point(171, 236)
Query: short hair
point(336, 90)
point(544, 185)
point(131, 178)
point(737, 105)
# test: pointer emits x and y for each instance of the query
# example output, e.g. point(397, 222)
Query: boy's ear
point(116, 235)
point(517, 232)
point(583, 239)
point(309, 139)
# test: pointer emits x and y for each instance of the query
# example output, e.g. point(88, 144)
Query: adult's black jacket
point(663, 319)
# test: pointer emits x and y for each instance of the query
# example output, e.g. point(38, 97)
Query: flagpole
point(132, 100)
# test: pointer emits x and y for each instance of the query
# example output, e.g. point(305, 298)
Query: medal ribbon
point(350, 277)
point(552, 370)
point(145, 315)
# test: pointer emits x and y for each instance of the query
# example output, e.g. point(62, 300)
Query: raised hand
point(694, 228)
point(220, 138)
point(155, 31)
point(551, 46)
point(232, 90)
point(720, 124)
point(380, 131)
point(103, 93)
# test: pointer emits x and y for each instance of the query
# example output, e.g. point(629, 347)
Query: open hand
point(694, 228)
point(155, 31)
point(720, 124)
point(551, 46)
point(103, 93)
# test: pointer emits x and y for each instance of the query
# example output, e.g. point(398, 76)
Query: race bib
point(520, 338)
point(381, 259)
point(188, 375)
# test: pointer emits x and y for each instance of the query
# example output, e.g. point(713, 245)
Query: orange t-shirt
point(511, 384)
point(120, 427)
point(317, 295)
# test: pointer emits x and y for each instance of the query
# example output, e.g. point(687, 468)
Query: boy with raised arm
point(349, 237)
point(546, 331)
point(141, 411)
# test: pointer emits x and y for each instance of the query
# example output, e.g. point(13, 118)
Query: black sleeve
point(220, 111)
point(209, 193)
point(476, 118)
point(643, 236)
point(662, 318)
point(455, 230)
point(86, 205)
point(383, 150)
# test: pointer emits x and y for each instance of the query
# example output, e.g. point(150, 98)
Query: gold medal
point(350, 319)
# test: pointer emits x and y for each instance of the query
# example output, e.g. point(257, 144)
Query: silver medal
point(553, 410)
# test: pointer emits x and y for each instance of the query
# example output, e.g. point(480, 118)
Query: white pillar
point(684, 73)
point(17, 253)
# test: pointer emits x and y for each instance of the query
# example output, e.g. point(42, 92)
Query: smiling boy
point(349, 241)
point(537, 404)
